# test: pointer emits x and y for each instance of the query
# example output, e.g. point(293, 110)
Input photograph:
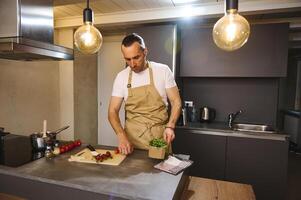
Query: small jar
point(56, 149)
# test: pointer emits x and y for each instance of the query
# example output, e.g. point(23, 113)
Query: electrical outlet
point(188, 103)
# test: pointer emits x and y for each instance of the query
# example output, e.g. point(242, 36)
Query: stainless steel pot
point(37, 142)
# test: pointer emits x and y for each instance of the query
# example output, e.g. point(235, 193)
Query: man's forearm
point(115, 122)
point(175, 112)
point(124, 146)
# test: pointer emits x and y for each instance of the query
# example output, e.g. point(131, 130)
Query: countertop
point(221, 128)
point(134, 178)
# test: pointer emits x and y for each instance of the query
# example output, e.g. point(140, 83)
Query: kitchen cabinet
point(264, 55)
point(207, 152)
point(259, 162)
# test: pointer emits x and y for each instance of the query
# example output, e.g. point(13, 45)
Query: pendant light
point(87, 38)
point(231, 31)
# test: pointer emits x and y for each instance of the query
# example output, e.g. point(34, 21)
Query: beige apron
point(146, 113)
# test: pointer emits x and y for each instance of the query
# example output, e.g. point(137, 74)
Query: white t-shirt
point(163, 79)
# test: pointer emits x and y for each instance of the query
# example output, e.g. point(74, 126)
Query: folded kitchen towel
point(173, 165)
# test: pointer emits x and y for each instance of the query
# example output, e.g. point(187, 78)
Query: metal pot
point(37, 142)
point(52, 134)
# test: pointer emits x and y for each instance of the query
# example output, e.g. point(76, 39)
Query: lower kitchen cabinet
point(259, 162)
point(207, 151)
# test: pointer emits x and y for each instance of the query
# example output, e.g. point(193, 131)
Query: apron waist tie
point(151, 125)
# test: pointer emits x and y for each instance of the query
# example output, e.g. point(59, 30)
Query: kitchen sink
point(261, 128)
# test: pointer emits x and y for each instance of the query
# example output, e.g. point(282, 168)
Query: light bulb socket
point(231, 4)
point(88, 15)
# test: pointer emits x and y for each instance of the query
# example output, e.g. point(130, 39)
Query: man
point(145, 87)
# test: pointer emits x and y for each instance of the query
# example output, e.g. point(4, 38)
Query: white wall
point(110, 62)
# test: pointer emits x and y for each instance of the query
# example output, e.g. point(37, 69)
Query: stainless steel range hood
point(26, 31)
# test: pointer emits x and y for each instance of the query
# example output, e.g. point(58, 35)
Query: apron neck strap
point(129, 85)
point(151, 77)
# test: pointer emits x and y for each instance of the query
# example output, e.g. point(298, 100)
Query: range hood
point(26, 31)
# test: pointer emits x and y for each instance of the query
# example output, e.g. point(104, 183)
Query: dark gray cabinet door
point(207, 152)
point(259, 162)
point(264, 55)
point(160, 42)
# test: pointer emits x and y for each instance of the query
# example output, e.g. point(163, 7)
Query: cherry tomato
point(62, 150)
point(116, 151)
point(66, 148)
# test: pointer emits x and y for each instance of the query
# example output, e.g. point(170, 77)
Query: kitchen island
point(134, 178)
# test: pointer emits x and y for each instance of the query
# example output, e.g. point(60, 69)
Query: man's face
point(134, 56)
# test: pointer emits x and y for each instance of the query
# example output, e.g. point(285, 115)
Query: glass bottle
point(193, 116)
point(56, 149)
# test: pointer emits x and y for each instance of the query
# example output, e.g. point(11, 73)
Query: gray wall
point(255, 96)
point(29, 93)
point(85, 97)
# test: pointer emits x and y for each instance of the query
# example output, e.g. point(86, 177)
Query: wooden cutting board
point(85, 156)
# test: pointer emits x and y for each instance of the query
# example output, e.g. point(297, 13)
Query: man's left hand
point(169, 135)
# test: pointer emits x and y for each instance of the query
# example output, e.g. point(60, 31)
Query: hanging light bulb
point(231, 31)
point(87, 38)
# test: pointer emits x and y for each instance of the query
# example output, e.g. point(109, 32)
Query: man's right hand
point(125, 147)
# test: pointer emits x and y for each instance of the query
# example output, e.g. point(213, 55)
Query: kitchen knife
point(93, 151)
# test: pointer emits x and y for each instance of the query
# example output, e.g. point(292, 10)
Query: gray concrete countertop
point(221, 128)
point(134, 178)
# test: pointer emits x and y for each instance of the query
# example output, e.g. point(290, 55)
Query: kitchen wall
point(257, 97)
point(249, 82)
point(29, 93)
point(85, 97)
point(33, 91)
point(64, 37)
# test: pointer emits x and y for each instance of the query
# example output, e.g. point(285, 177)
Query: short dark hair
point(131, 38)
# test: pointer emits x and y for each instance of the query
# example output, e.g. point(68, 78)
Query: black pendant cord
point(231, 4)
point(88, 13)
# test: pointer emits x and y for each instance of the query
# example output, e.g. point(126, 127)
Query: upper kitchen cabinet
point(264, 55)
point(160, 42)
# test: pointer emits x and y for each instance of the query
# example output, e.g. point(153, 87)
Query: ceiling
point(114, 14)
point(68, 13)
point(68, 8)
point(74, 8)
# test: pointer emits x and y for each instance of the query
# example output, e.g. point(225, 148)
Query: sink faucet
point(231, 118)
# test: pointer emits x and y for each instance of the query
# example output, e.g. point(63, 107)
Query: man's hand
point(125, 147)
point(169, 135)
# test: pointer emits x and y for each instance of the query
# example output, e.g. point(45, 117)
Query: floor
point(294, 176)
